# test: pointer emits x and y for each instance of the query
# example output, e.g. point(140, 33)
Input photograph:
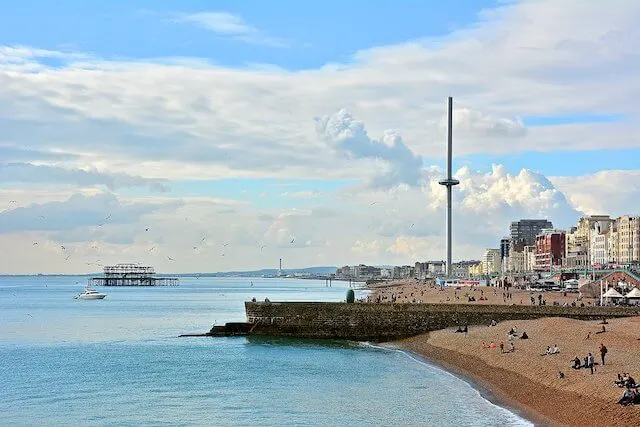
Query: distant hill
point(265, 272)
point(318, 271)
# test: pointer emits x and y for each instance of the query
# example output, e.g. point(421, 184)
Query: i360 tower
point(449, 182)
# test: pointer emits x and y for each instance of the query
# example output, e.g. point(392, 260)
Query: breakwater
point(387, 322)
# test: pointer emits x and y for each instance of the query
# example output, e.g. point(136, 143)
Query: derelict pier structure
point(131, 275)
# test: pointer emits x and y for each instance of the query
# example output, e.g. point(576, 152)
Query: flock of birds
point(66, 254)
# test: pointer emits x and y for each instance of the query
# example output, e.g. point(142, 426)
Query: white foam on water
point(517, 420)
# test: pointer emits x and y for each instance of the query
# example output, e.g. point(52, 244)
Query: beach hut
point(635, 293)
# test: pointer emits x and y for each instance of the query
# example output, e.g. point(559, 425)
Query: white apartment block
point(606, 241)
point(491, 262)
point(628, 240)
point(529, 255)
point(599, 243)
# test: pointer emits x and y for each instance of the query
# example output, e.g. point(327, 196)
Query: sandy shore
point(529, 382)
point(410, 291)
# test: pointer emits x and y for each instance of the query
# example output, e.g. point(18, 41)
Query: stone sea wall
point(386, 322)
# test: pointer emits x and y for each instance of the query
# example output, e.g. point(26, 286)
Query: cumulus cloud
point(198, 119)
point(614, 192)
point(468, 123)
point(375, 226)
point(192, 119)
point(366, 249)
point(28, 173)
point(347, 135)
point(77, 212)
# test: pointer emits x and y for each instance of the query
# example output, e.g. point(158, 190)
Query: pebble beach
point(524, 379)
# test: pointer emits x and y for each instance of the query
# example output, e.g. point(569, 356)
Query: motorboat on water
point(90, 293)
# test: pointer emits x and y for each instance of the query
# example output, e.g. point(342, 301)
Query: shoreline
point(482, 387)
point(534, 401)
point(440, 358)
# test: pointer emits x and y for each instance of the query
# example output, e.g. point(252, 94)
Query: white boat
point(90, 293)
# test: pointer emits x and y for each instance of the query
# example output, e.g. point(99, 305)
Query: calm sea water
point(118, 361)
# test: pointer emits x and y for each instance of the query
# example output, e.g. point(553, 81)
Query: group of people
point(589, 362)
point(511, 348)
point(513, 334)
point(551, 350)
point(626, 380)
point(630, 396)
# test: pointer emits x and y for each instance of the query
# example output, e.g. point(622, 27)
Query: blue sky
point(312, 35)
point(235, 115)
point(315, 33)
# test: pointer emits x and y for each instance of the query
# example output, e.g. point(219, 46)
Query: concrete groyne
point(387, 322)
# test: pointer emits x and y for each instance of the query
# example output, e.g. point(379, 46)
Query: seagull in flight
point(262, 247)
point(35, 243)
point(292, 240)
point(411, 226)
point(226, 244)
point(146, 229)
point(169, 258)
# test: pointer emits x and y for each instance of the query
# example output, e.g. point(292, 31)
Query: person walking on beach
point(603, 351)
point(590, 362)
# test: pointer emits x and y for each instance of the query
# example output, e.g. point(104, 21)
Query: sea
point(120, 361)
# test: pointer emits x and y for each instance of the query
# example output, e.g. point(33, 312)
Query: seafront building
point(599, 244)
point(475, 270)
point(532, 247)
point(596, 241)
point(526, 230)
point(578, 246)
point(529, 255)
point(491, 261)
point(549, 250)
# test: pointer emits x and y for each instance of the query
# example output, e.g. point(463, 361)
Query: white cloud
point(229, 25)
point(78, 212)
point(400, 165)
point(471, 123)
point(28, 173)
point(304, 194)
point(375, 226)
point(366, 249)
point(90, 123)
point(199, 120)
point(614, 192)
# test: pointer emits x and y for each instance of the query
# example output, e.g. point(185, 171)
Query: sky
point(213, 136)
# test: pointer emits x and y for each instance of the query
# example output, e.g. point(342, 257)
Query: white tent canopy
point(612, 293)
point(635, 293)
